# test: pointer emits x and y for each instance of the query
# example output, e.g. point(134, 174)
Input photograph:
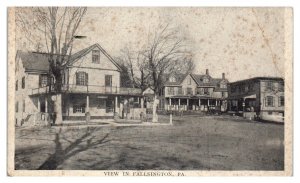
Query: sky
point(240, 42)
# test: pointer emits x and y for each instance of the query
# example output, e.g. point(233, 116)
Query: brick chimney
point(207, 73)
point(223, 75)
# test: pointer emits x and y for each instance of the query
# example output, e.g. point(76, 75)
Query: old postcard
point(150, 91)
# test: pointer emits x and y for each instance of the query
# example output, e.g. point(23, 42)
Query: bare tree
point(56, 29)
point(135, 67)
point(166, 52)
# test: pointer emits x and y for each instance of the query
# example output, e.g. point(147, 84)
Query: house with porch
point(90, 84)
point(261, 97)
point(194, 92)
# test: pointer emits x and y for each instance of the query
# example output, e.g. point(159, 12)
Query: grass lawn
point(192, 143)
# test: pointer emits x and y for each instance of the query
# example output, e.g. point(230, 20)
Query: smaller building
point(259, 97)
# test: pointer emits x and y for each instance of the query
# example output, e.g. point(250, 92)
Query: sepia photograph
point(150, 91)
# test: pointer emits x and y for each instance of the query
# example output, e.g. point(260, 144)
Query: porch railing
point(73, 88)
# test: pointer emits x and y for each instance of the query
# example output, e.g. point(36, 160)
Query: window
point(205, 91)
point(269, 85)
point(96, 56)
point(17, 85)
point(189, 91)
point(43, 80)
point(23, 82)
point(23, 105)
point(223, 85)
point(171, 90)
point(232, 89)
point(180, 91)
point(223, 94)
point(269, 101)
point(79, 108)
point(108, 80)
point(17, 106)
point(251, 87)
point(172, 79)
point(190, 81)
point(281, 86)
point(281, 101)
point(81, 78)
point(205, 80)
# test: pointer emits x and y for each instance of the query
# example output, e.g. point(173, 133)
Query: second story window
point(17, 106)
point(23, 82)
point(269, 85)
point(232, 89)
point(43, 80)
point(223, 94)
point(96, 56)
point(190, 81)
point(281, 101)
point(108, 80)
point(280, 86)
point(171, 90)
point(17, 85)
point(189, 91)
point(205, 91)
point(223, 85)
point(180, 91)
point(269, 101)
point(81, 78)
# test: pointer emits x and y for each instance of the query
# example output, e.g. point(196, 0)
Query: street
point(191, 143)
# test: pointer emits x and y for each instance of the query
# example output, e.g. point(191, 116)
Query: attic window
point(172, 79)
point(205, 80)
point(96, 56)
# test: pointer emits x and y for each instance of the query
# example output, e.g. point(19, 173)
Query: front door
point(109, 105)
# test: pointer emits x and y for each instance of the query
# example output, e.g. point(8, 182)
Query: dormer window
point(96, 56)
point(172, 79)
point(223, 85)
point(205, 80)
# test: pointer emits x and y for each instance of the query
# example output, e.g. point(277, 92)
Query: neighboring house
point(258, 97)
point(91, 83)
point(194, 92)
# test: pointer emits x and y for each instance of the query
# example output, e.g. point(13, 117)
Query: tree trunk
point(58, 109)
point(154, 114)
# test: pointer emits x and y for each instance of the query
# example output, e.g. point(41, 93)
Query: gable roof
point(214, 82)
point(38, 62)
point(178, 77)
point(34, 61)
point(76, 56)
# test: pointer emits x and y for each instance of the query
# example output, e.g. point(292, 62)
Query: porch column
point(170, 103)
point(199, 104)
point(87, 104)
point(116, 104)
point(187, 104)
point(216, 102)
point(207, 102)
point(39, 104)
point(142, 103)
point(46, 104)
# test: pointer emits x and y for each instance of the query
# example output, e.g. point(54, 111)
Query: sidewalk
point(104, 123)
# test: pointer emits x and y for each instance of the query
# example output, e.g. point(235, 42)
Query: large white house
point(91, 83)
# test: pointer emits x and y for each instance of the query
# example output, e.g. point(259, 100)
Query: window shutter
point(273, 101)
point(86, 78)
point(74, 109)
point(264, 102)
point(77, 78)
